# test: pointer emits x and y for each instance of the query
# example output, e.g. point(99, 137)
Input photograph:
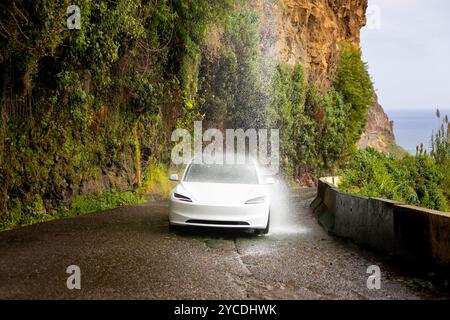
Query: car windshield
point(222, 173)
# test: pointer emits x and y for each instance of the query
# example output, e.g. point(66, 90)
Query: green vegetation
point(156, 180)
point(422, 180)
point(415, 180)
point(312, 124)
point(440, 153)
point(83, 111)
point(32, 211)
point(353, 83)
point(317, 133)
point(396, 151)
point(102, 201)
point(233, 93)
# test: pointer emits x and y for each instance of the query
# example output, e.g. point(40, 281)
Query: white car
point(221, 195)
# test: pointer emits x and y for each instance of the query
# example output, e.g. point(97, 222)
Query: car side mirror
point(270, 180)
point(174, 177)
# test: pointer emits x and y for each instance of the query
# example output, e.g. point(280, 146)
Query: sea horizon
point(413, 127)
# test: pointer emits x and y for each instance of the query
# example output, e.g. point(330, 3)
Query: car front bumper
point(253, 216)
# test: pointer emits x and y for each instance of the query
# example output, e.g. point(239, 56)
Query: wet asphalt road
point(129, 253)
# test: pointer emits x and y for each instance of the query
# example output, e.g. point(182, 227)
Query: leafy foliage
point(156, 182)
point(440, 143)
point(232, 92)
point(352, 81)
point(440, 152)
point(312, 124)
point(413, 180)
point(81, 107)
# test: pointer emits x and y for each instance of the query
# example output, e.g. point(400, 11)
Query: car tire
point(266, 230)
point(172, 227)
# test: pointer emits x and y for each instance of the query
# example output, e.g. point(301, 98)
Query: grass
point(102, 201)
point(83, 204)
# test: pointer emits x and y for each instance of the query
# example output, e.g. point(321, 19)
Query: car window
point(222, 173)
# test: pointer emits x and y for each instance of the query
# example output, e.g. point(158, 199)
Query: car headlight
point(181, 197)
point(256, 200)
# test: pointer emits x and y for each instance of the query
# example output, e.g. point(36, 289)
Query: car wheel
point(266, 230)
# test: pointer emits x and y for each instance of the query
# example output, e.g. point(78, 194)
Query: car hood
point(220, 193)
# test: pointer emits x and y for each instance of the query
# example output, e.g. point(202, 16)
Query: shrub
point(353, 82)
point(413, 180)
point(155, 179)
point(312, 124)
point(440, 152)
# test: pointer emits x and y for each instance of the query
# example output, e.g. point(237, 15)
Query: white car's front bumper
point(252, 216)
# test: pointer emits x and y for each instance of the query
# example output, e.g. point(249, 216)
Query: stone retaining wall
point(418, 236)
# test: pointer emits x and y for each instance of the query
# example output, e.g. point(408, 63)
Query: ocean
point(413, 127)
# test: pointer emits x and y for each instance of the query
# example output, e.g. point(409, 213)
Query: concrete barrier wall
point(416, 235)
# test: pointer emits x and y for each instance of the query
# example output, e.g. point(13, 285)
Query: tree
point(353, 82)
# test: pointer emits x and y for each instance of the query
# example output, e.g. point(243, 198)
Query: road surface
point(129, 253)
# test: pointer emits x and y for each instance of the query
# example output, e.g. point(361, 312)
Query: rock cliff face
point(322, 27)
point(311, 32)
point(379, 133)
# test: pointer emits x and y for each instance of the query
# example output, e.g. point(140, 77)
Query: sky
point(407, 46)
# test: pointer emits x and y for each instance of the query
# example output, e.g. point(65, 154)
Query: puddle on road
point(292, 229)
